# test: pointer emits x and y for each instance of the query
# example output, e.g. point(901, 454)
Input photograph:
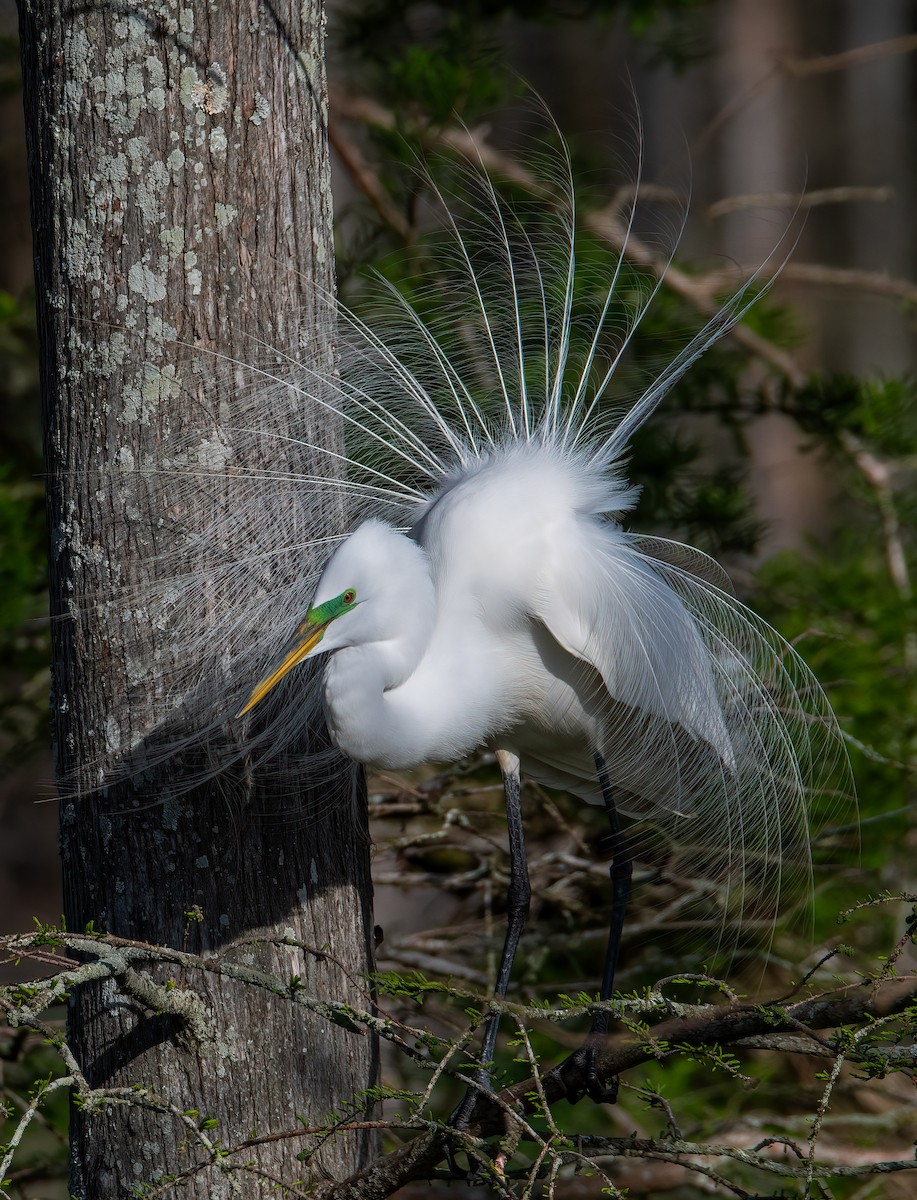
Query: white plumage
point(516, 614)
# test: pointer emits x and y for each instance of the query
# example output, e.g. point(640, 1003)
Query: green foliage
point(849, 604)
point(24, 638)
point(882, 411)
point(27, 1065)
point(414, 985)
point(378, 29)
point(22, 550)
point(50, 935)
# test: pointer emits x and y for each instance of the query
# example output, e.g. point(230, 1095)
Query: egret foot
point(459, 1119)
point(579, 1076)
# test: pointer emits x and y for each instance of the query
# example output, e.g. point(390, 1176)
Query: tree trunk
point(181, 195)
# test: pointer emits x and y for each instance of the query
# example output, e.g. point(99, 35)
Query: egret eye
point(349, 596)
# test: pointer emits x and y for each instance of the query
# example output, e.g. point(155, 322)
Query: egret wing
point(662, 727)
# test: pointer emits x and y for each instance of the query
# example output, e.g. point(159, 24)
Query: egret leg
point(620, 869)
point(519, 896)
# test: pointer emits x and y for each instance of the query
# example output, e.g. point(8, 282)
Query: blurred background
point(791, 457)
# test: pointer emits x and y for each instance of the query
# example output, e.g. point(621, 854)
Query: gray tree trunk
point(181, 195)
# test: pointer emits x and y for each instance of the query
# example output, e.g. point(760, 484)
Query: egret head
point(362, 591)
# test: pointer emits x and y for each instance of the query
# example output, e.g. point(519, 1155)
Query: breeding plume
point(488, 595)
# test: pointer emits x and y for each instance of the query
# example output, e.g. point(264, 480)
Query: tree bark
point(181, 195)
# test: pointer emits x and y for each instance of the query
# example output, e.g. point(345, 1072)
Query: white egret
point(488, 594)
point(502, 604)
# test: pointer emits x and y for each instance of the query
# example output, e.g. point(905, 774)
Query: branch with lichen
point(653, 1026)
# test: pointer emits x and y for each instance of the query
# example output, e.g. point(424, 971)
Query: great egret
point(487, 594)
point(502, 604)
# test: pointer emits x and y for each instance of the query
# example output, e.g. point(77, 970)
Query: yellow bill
point(296, 655)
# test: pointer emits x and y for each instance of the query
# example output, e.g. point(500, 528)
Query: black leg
point(520, 893)
point(621, 871)
point(585, 1059)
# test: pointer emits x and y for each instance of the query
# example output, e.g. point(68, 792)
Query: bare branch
point(798, 201)
point(801, 67)
point(368, 181)
point(818, 275)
